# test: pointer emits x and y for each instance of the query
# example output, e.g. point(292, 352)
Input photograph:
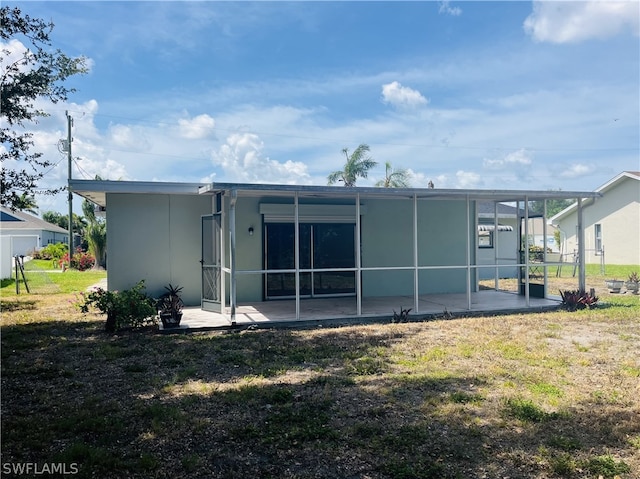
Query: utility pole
point(70, 197)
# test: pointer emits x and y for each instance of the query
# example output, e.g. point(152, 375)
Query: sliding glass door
point(323, 246)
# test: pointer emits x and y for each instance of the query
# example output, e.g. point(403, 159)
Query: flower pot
point(614, 285)
point(171, 320)
point(632, 286)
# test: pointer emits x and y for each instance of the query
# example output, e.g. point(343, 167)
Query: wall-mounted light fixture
point(250, 230)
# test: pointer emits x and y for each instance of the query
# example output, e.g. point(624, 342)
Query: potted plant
point(130, 308)
point(632, 283)
point(614, 285)
point(170, 307)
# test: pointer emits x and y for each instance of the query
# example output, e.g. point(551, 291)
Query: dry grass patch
point(549, 395)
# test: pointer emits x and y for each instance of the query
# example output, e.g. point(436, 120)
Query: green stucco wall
point(387, 240)
point(156, 238)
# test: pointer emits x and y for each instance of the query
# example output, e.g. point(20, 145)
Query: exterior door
point(212, 263)
point(322, 246)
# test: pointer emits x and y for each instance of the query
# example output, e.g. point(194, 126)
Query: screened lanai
point(299, 250)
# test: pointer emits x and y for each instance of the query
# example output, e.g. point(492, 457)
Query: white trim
point(285, 213)
point(608, 185)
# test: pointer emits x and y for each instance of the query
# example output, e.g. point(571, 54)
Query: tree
point(394, 178)
point(55, 218)
point(358, 165)
point(554, 206)
point(96, 234)
point(26, 203)
point(29, 71)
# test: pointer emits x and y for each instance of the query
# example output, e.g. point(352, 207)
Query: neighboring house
point(611, 223)
point(502, 247)
point(227, 243)
point(22, 233)
point(539, 237)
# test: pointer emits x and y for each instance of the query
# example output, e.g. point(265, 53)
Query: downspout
point(232, 252)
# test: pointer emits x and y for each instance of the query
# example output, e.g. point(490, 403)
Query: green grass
point(52, 281)
point(613, 271)
point(448, 399)
point(42, 264)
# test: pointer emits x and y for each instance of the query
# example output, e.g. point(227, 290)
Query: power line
point(342, 140)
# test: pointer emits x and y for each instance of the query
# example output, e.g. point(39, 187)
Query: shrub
point(130, 308)
point(51, 251)
point(573, 300)
point(402, 316)
point(81, 260)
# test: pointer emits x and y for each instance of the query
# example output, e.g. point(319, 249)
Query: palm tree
point(26, 203)
point(394, 178)
point(358, 165)
point(96, 235)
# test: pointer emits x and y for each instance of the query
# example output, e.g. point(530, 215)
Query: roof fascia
point(96, 190)
point(422, 193)
point(601, 190)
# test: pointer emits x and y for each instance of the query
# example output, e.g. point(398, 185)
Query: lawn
point(545, 395)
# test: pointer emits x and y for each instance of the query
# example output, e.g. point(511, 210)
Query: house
point(22, 233)
point(230, 243)
point(611, 222)
point(497, 245)
point(502, 247)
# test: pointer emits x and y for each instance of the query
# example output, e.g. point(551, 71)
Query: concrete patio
point(332, 311)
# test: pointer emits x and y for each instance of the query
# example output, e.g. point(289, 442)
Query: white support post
point(526, 251)
point(582, 279)
point(296, 226)
point(223, 262)
point(496, 245)
point(544, 244)
point(232, 252)
point(416, 290)
point(358, 260)
point(468, 259)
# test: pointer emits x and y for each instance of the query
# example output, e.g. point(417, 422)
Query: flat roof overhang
point(97, 190)
point(245, 189)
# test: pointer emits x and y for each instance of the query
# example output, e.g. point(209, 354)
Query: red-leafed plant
point(574, 300)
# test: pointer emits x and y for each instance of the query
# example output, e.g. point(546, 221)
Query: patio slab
point(334, 311)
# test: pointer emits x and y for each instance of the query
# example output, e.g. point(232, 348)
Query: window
point(485, 239)
point(597, 229)
point(322, 246)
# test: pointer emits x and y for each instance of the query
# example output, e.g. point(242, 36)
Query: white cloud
point(13, 52)
point(577, 170)
point(123, 136)
point(242, 161)
point(197, 127)
point(566, 22)
point(447, 9)
point(401, 96)
point(520, 158)
point(467, 179)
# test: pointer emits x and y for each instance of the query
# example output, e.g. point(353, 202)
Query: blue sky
point(495, 95)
